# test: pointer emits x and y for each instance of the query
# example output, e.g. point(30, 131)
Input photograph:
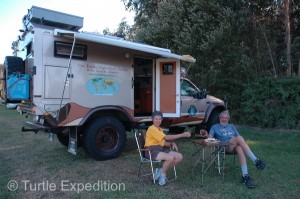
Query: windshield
point(187, 88)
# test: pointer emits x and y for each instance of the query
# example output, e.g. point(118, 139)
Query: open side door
point(167, 95)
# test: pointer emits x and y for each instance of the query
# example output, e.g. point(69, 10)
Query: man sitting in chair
point(226, 132)
point(160, 146)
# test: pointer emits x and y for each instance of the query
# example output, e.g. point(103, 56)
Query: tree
point(288, 35)
point(235, 43)
point(296, 51)
point(124, 30)
point(209, 31)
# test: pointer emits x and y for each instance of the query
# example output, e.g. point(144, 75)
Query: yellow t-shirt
point(154, 136)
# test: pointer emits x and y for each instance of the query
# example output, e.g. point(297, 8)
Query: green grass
point(29, 156)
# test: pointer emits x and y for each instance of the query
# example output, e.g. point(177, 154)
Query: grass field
point(47, 170)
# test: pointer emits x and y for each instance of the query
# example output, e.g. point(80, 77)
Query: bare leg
point(170, 160)
point(241, 148)
point(239, 141)
point(178, 157)
point(241, 154)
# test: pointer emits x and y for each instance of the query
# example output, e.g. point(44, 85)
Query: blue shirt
point(223, 133)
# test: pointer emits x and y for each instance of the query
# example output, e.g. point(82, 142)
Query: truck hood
point(213, 99)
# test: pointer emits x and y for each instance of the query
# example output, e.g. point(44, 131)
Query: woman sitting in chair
point(160, 146)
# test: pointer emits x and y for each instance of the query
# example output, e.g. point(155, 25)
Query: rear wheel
point(104, 138)
point(63, 136)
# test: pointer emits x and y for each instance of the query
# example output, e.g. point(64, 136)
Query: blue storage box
point(18, 87)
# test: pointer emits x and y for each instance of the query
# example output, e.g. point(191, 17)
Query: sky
point(98, 15)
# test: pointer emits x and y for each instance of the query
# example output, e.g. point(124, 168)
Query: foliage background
point(240, 47)
point(272, 102)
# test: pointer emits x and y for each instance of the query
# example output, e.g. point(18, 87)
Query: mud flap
point(73, 146)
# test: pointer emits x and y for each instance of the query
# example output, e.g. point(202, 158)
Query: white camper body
point(106, 73)
point(89, 89)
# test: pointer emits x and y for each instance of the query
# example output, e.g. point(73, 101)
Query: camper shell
point(89, 89)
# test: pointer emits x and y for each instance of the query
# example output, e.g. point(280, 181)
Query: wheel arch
point(213, 108)
point(114, 111)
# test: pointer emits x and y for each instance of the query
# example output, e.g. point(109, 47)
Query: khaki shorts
point(154, 150)
point(230, 152)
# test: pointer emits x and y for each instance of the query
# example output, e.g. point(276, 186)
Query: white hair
point(226, 112)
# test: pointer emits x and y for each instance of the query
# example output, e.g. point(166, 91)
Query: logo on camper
point(103, 86)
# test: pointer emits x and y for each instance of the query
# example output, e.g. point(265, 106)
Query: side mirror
point(201, 94)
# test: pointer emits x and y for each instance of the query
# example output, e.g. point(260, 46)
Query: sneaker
point(157, 173)
point(162, 180)
point(260, 165)
point(247, 181)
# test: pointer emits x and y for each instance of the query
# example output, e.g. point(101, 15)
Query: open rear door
point(167, 95)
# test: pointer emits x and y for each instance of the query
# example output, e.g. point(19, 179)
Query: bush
point(272, 102)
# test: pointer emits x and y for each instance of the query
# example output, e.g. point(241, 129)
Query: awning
point(119, 42)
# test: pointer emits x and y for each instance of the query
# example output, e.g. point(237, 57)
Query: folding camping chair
point(218, 160)
point(140, 141)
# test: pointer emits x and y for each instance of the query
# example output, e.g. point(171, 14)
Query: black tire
point(176, 129)
point(104, 138)
point(63, 139)
point(63, 136)
point(213, 119)
point(14, 65)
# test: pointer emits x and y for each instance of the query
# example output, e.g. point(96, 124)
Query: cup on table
point(202, 132)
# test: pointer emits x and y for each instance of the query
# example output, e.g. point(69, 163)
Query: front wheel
point(104, 138)
point(213, 119)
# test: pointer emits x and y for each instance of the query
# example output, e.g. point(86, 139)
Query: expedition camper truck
point(89, 89)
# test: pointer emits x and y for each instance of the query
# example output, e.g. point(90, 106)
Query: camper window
point(63, 49)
